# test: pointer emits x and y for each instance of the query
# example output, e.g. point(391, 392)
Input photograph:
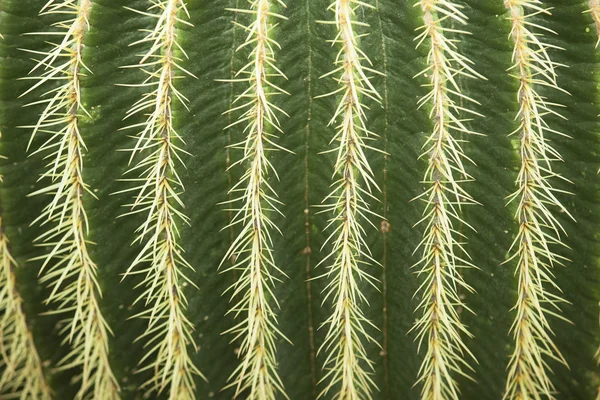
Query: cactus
point(267, 199)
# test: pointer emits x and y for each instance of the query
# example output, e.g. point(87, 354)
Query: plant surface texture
point(300, 199)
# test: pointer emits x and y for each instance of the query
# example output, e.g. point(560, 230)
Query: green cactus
point(267, 199)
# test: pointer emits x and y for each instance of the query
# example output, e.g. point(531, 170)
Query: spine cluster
point(347, 364)
point(158, 186)
point(539, 229)
point(22, 373)
point(67, 268)
point(251, 251)
point(440, 329)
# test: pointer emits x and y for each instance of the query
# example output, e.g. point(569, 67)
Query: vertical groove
point(251, 250)
point(347, 364)
point(161, 261)
point(440, 328)
point(231, 230)
point(68, 268)
point(539, 230)
point(384, 225)
point(594, 10)
point(308, 249)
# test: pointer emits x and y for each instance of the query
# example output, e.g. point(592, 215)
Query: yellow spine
point(251, 250)
point(22, 373)
point(161, 262)
point(539, 230)
point(68, 268)
point(440, 329)
point(346, 363)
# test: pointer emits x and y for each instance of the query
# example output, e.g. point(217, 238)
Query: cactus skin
point(305, 174)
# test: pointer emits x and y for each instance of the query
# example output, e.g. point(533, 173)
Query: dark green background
point(304, 182)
